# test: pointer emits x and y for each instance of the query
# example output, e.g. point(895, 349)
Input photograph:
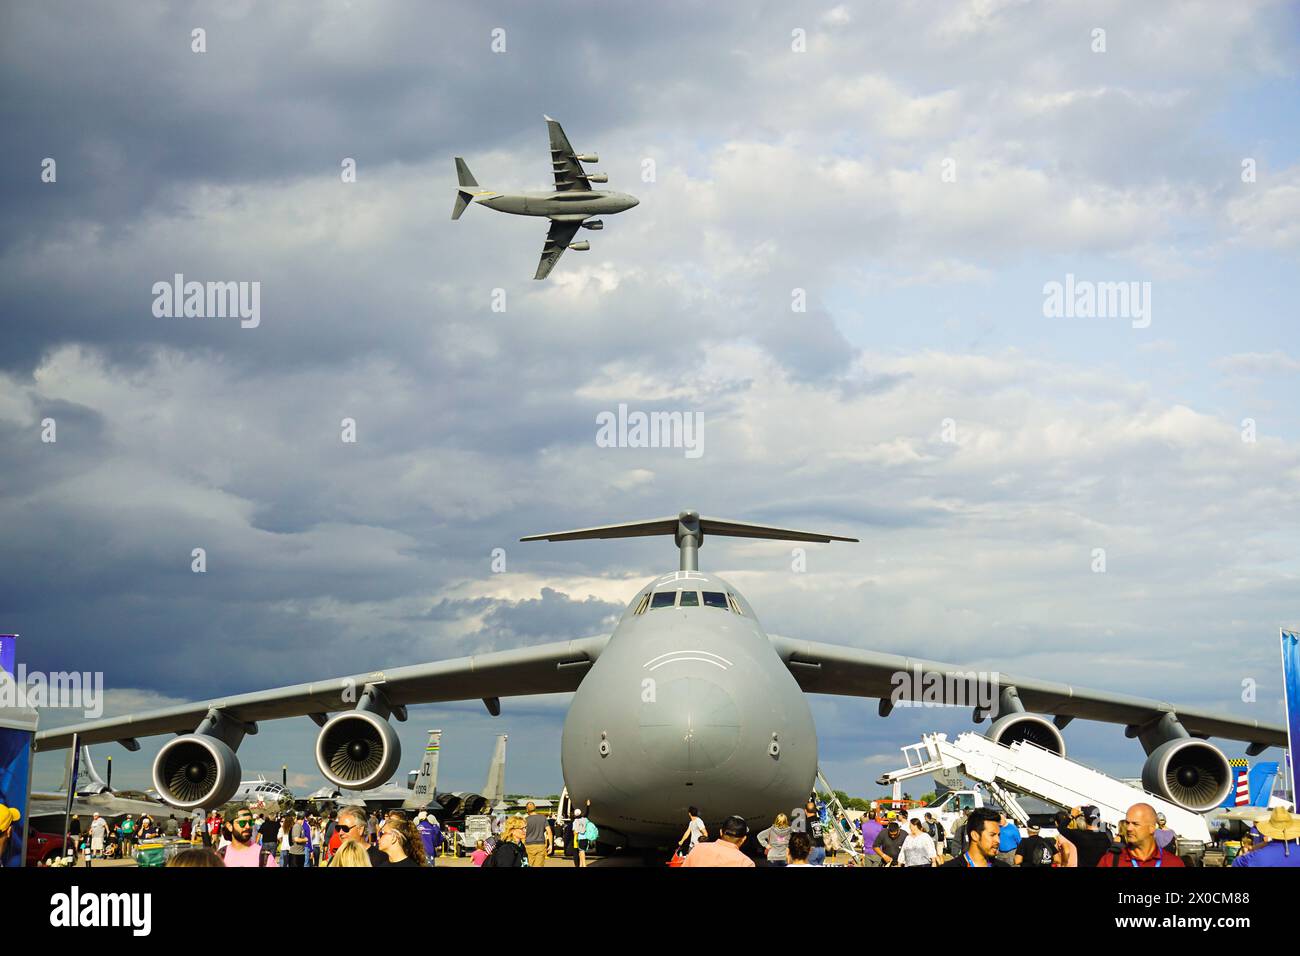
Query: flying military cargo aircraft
point(569, 207)
point(688, 702)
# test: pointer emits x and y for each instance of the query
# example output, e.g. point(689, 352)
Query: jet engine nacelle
point(594, 224)
point(597, 177)
point(1189, 772)
point(196, 770)
point(357, 750)
point(1021, 726)
point(587, 158)
point(580, 246)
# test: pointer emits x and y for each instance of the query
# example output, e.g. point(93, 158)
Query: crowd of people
point(984, 837)
point(352, 836)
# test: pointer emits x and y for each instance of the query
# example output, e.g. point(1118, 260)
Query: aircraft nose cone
point(633, 201)
point(691, 724)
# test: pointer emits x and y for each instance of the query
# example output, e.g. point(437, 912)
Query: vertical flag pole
point(72, 794)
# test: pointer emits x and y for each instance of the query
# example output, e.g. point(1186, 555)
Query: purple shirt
point(1277, 853)
point(870, 830)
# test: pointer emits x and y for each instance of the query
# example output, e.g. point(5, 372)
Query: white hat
point(577, 813)
point(422, 815)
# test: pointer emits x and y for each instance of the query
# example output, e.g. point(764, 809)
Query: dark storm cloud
point(776, 172)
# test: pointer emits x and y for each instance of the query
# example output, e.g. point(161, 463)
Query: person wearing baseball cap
point(1084, 834)
point(724, 851)
point(8, 817)
point(1282, 830)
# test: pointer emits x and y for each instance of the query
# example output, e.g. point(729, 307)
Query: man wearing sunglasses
point(352, 826)
point(244, 850)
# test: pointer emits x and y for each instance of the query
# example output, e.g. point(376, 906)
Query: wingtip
point(549, 119)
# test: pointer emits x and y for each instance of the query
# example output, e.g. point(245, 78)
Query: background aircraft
point(689, 701)
point(569, 206)
point(263, 794)
point(92, 794)
point(1254, 792)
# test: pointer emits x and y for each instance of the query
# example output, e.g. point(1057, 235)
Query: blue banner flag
point(1291, 696)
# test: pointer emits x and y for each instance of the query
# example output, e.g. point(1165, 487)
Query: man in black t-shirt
point(1035, 849)
point(1091, 843)
point(889, 844)
point(814, 821)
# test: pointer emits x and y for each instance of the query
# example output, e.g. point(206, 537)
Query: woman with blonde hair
point(509, 851)
point(776, 841)
point(350, 853)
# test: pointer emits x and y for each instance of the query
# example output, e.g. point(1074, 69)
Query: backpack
point(503, 849)
point(1040, 855)
point(591, 833)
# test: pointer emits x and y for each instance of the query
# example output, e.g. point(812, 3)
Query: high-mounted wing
point(849, 671)
point(564, 162)
point(544, 669)
point(557, 240)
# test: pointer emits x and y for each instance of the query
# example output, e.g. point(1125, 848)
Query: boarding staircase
point(1027, 769)
point(846, 833)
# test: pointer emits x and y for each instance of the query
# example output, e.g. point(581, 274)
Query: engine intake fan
point(358, 750)
point(1190, 772)
point(1036, 730)
point(196, 771)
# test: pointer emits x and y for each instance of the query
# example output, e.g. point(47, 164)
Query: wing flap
point(544, 669)
point(558, 238)
point(569, 174)
point(849, 671)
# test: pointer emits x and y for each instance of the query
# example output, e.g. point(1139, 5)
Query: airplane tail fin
point(463, 175)
point(1261, 779)
point(95, 781)
point(466, 179)
point(689, 530)
point(88, 779)
point(494, 791)
point(422, 794)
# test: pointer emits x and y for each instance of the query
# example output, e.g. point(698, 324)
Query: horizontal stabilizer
point(684, 522)
point(463, 199)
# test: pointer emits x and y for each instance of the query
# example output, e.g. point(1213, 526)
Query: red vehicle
point(46, 847)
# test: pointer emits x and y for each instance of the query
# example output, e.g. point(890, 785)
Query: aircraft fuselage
point(687, 706)
point(572, 205)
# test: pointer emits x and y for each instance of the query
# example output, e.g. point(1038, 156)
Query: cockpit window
point(664, 599)
point(735, 605)
point(645, 603)
point(689, 599)
point(715, 599)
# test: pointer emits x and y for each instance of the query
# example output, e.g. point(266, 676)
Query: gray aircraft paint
point(683, 708)
point(722, 687)
point(568, 206)
point(494, 788)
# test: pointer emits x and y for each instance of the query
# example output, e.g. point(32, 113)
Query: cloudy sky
point(915, 173)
